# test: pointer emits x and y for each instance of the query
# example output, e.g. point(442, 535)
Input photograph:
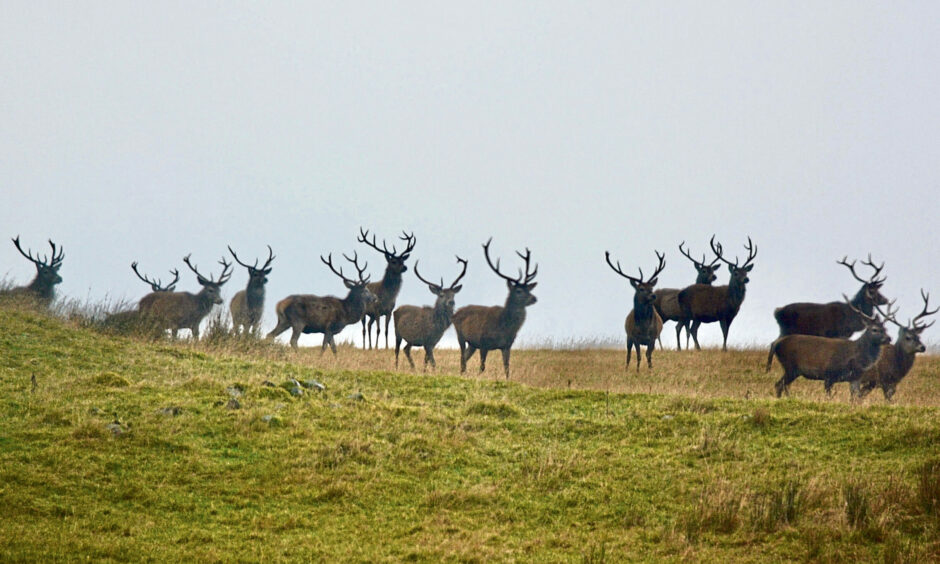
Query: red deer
point(42, 288)
point(424, 326)
point(643, 323)
point(826, 358)
point(185, 310)
point(386, 290)
point(834, 319)
point(895, 360)
point(707, 304)
point(247, 305)
point(495, 327)
point(129, 320)
point(667, 299)
point(157, 285)
point(305, 313)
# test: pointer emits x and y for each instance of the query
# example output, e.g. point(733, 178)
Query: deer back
point(834, 319)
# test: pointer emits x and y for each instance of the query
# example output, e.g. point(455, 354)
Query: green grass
point(431, 468)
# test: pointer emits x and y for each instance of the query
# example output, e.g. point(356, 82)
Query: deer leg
point(463, 356)
point(725, 325)
point(678, 336)
point(783, 384)
point(695, 326)
point(854, 388)
point(364, 331)
point(378, 329)
point(408, 355)
point(636, 345)
point(629, 350)
point(649, 354)
point(388, 318)
point(483, 353)
point(888, 390)
point(506, 353)
point(429, 357)
point(296, 332)
point(827, 385)
point(397, 348)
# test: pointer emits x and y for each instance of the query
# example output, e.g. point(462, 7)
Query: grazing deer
point(42, 288)
point(826, 358)
point(643, 323)
point(157, 285)
point(495, 327)
point(385, 290)
point(895, 360)
point(424, 326)
point(667, 299)
point(185, 310)
point(834, 319)
point(306, 313)
point(707, 304)
point(247, 305)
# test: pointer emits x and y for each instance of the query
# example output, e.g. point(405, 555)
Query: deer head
point(356, 286)
point(211, 288)
point(739, 274)
point(644, 288)
point(445, 296)
point(909, 335)
point(706, 272)
point(871, 287)
point(520, 287)
point(47, 270)
point(157, 285)
point(874, 325)
point(395, 260)
point(256, 276)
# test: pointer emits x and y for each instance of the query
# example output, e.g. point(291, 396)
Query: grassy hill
point(126, 450)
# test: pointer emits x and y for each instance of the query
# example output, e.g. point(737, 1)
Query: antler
point(851, 266)
point(56, 259)
point(409, 239)
point(619, 270)
point(524, 277)
point(695, 262)
point(440, 286)
point(255, 267)
point(462, 272)
point(877, 270)
point(924, 313)
point(329, 262)
point(157, 286)
point(223, 278)
point(751, 253)
point(888, 315)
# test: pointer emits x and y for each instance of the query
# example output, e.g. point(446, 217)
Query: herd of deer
point(814, 339)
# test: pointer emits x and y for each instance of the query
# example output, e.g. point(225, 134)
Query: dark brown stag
point(643, 323)
point(424, 326)
point(42, 289)
point(707, 304)
point(385, 290)
point(185, 310)
point(495, 327)
point(667, 299)
point(247, 305)
point(305, 313)
point(834, 319)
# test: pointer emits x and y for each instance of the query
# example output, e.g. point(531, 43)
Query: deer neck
point(642, 311)
point(736, 291)
point(513, 314)
point(442, 316)
point(869, 349)
point(354, 306)
point(202, 300)
point(391, 282)
point(861, 303)
point(254, 294)
point(42, 291)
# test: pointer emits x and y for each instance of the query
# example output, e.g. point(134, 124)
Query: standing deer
point(667, 299)
point(42, 288)
point(128, 320)
point(643, 323)
point(247, 305)
point(834, 319)
point(707, 304)
point(306, 313)
point(385, 290)
point(185, 310)
point(495, 327)
point(424, 326)
point(895, 360)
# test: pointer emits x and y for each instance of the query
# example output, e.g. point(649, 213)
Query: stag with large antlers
point(643, 323)
point(185, 310)
point(306, 313)
point(42, 288)
point(834, 319)
point(495, 327)
point(385, 290)
point(247, 305)
point(424, 326)
point(667, 299)
point(157, 285)
point(707, 304)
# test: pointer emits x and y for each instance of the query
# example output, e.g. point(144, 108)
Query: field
point(126, 449)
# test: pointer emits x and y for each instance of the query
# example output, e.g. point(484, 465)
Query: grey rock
point(269, 384)
point(668, 417)
point(357, 396)
point(173, 410)
point(233, 404)
point(234, 391)
point(297, 391)
point(314, 385)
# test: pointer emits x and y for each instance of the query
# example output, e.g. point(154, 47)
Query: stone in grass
point(268, 384)
point(235, 391)
point(356, 396)
point(233, 404)
point(272, 420)
point(293, 386)
point(117, 428)
point(173, 410)
point(668, 417)
point(314, 385)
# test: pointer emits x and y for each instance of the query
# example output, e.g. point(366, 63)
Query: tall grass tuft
point(857, 500)
point(928, 487)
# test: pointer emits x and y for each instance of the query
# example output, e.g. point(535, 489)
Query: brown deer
point(834, 319)
point(305, 313)
point(667, 299)
point(42, 288)
point(157, 285)
point(424, 326)
point(129, 320)
point(826, 358)
point(185, 310)
point(247, 305)
point(495, 327)
point(896, 360)
point(707, 304)
point(643, 323)
point(386, 290)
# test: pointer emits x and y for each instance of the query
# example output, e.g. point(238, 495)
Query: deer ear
point(532, 286)
point(509, 284)
point(632, 283)
point(434, 290)
point(456, 289)
point(731, 268)
point(349, 285)
point(653, 281)
point(749, 268)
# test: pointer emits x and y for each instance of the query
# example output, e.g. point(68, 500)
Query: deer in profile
point(129, 320)
point(185, 310)
point(834, 319)
point(42, 288)
point(702, 303)
point(424, 326)
point(827, 358)
point(247, 305)
point(495, 327)
point(896, 360)
point(306, 313)
point(643, 323)
point(667, 299)
point(385, 290)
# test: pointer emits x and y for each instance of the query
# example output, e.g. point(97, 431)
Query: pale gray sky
point(146, 131)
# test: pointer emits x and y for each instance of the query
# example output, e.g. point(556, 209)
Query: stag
point(185, 310)
point(643, 323)
point(247, 305)
point(306, 313)
point(424, 326)
point(42, 288)
point(702, 303)
point(895, 360)
point(157, 285)
point(385, 290)
point(667, 299)
point(495, 327)
point(834, 319)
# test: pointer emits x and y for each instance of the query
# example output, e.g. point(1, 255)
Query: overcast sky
point(148, 130)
